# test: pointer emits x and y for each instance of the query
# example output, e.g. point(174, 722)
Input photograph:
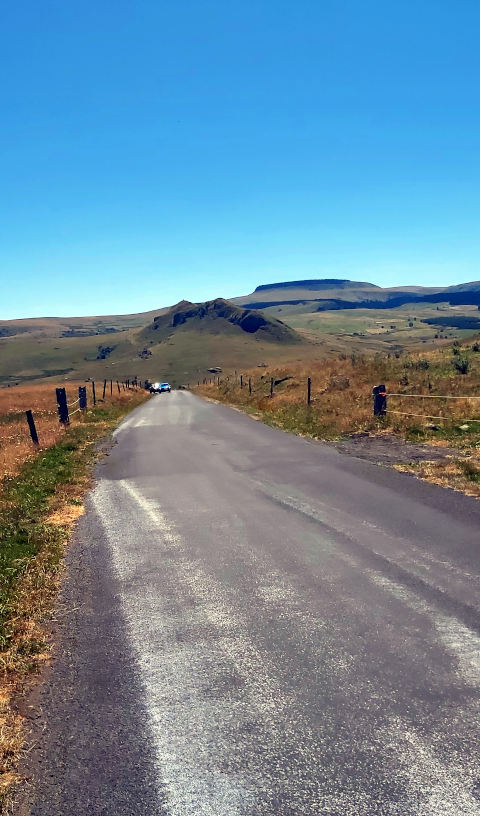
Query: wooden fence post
point(379, 400)
point(32, 428)
point(111, 388)
point(62, 406)
point(250, 385)
point(309, 391)
point(241, 380)
point(93, 393)
point(82, 397)
point(118, 386)
point(104, 389)
point(271, 386)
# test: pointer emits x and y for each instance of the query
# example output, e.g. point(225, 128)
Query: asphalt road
point(257, 624)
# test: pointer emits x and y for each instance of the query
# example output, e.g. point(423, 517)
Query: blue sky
point(153, 151)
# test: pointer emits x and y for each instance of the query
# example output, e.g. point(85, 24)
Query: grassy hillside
point(75, 326)
point(178, 344)
point(407, 326)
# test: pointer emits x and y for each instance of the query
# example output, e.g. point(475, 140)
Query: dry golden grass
point(463, 476)
point(16, 446)
point(342, 391)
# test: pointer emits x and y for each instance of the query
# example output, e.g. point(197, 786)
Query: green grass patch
point(25, 502)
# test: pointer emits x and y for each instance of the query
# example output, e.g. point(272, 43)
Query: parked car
point(158, 388)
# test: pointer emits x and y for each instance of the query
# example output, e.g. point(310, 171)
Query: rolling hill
point(277, 322)
point(179, 343)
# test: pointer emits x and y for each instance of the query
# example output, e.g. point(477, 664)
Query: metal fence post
point(93, 393)
point(250, 385)
point(271, 386)
point(309, 391)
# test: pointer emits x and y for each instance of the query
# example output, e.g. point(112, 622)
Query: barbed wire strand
point(429, 416)
point(430, 396)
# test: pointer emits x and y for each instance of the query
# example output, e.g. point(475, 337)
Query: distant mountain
point(316, 284)
point(336, 294)
point(473, 286)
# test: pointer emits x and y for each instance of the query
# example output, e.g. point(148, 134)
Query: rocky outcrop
point(214, 312)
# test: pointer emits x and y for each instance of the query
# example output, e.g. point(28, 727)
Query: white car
point(158, 388)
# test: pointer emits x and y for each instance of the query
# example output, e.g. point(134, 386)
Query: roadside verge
point(38, 508)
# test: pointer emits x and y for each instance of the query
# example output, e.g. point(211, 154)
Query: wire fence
point(379, 394)
point(380, 405)
point(63, 411)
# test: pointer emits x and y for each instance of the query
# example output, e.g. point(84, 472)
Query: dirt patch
point(67, 515)
point(389, 449)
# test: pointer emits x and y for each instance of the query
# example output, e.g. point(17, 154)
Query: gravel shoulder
point(389, 449)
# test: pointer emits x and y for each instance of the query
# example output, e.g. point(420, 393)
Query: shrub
point(462, 365)
point(422, 365)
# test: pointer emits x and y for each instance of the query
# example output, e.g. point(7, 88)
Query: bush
point(462, 365)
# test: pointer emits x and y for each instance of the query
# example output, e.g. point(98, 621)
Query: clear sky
point(154, 150)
